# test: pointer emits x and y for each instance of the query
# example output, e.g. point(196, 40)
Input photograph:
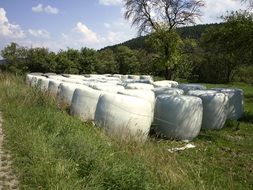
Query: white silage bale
point(84, 103)
point(214, 108)
point(35, 82)
point(65, 92)
point(53, 86)
point(124, 77)
point(146, 77)
point(73, 80)
point(187, 87)
point(28, 79)
point(124, 116)
point(117, 75)
point(108, 88)
point(56, 77)
point(178, 117)
point(167, 91)
point(235, 102)
point(165, 83)
point(43, 84)
point(140, 86)
point(135, 77)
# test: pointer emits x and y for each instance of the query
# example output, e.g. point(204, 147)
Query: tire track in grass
point(8, 180)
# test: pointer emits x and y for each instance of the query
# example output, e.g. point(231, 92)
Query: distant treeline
point(216, 53)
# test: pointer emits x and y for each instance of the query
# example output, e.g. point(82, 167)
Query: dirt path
point(8, 180)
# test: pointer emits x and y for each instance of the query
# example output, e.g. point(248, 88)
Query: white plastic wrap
point(178, 117)
point(65, 92)
point(187, 87)
point(56, 77)
point(214, 108)
point(235, 102)
point(28, 79)
point(135, 77)
point(43, 83)
point(140, 86)
point(73, 80)
point(35, 82)
point(124, 116)
point(108, 87)
point(165, 83)
point(167, 91)
point(84, 103)
point(53, 86)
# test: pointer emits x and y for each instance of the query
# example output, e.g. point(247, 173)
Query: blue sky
point(59, 24)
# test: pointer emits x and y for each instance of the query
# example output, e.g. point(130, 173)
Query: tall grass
point(52, 150)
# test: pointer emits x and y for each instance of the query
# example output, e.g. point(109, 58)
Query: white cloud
point(107, 25)
point(110, 2)
point(51, 10)
point(214, 9)
point(89, 36)
point(38, 9)
point(7, 29)
point(41, 33)
point(47, 9)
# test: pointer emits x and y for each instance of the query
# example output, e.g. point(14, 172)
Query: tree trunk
point(167, 73)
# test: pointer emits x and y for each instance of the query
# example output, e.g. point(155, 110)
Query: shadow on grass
point(247, 117)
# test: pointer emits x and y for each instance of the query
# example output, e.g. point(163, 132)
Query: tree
point(169, 46)
point(248, 2)
point(106, 62)
point(127, 61)
point(161, 17)
point(228, 46)
point(87, 60)
point(15, 58)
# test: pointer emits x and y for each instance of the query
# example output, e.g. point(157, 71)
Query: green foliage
point(106, 62)
point(168, 45)
point(87, 60)
point(227, 47)
point(127, 61)
point(14, 56)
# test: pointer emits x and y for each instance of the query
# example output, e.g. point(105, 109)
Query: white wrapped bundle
point(135, 77)
point(124, 116)
point(117, 75)
point(28, 79)
point(65, 92)
point(187, 87)
point(146, 77)
point(35, 81)
point(140, 86)
point(124, 77)
point(178, 117)
point(84, 103)
point(80, 77)
point(165, 83)
point(96, 76)
point(167, 91)
point(235, 102)
point(214, 108)
point(56, 77)
point(53, 86)
point(107, 75)
point(43, 84)
point(108, 87)
point(73, 80)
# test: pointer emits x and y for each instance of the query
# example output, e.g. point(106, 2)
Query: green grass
point(52, 150)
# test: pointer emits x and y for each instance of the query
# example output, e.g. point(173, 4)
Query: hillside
point(185, 32)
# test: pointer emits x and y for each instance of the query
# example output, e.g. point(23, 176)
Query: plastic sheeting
point(43, 84)
point(165, 83)
point(84, 103)
point(124, 116)
point(187, 87)
point(53, 86)
point(65, 92)
point(108, 87)
point(235, 102)
point(178, 117)
point(140, 86)
point(35, 80)
point(214, 108)
point(168, 91)
point(135, 77)
point(28, 79)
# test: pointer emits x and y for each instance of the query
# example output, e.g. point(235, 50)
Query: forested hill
point(185, 32)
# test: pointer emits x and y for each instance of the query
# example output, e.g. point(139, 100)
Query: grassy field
point(52, 150)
